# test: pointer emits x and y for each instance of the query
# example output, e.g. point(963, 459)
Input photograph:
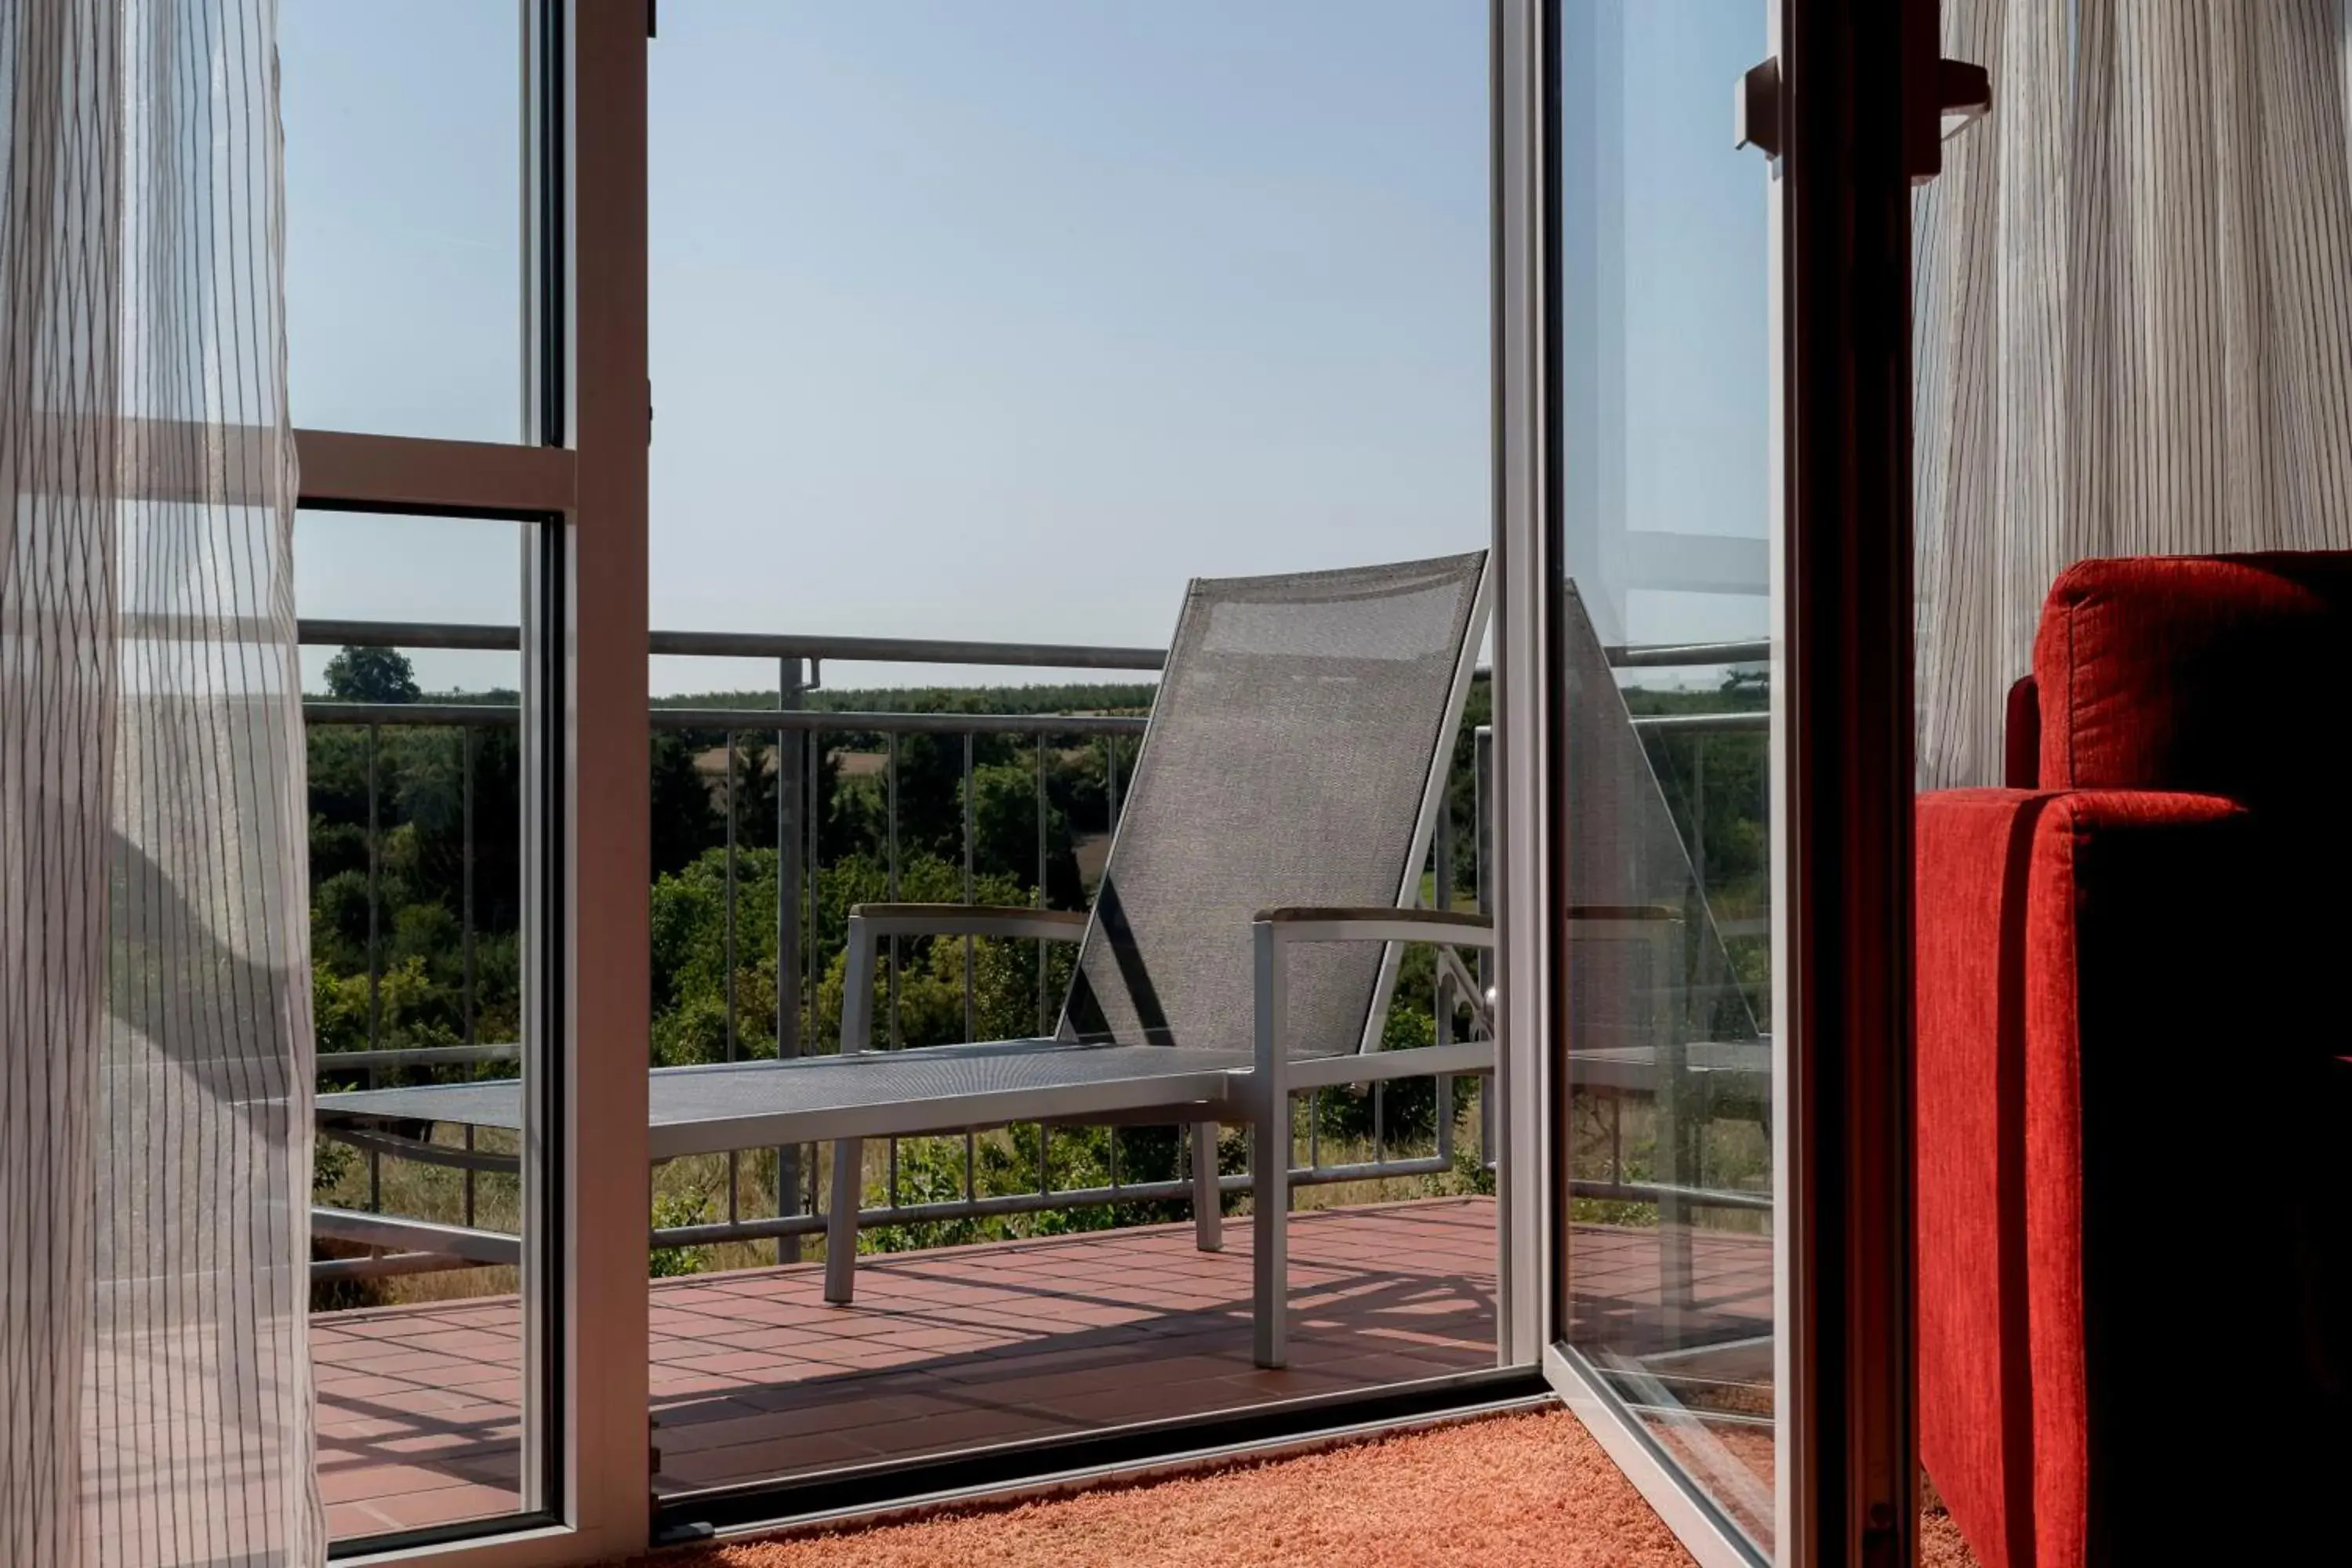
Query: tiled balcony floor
point(754, 1377)
point(1613, 1275)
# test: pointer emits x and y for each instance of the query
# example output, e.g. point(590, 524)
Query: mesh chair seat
point(813, 1100)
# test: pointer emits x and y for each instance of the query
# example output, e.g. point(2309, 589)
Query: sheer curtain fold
point(2133, 317)
point(154, 990)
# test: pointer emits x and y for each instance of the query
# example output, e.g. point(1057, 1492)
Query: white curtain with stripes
point(155, 1402)
point(2132, 316)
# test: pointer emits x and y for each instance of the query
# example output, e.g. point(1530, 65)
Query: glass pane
point(1665, 706)
point(1002, 324)
point(403, 215)
point(417, 899)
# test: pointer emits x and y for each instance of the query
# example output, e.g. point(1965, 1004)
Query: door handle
point(1941, 97)
point(1755, 118)
point(1963, 95)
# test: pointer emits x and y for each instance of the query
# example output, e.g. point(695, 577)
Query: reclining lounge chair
point(1243, 941)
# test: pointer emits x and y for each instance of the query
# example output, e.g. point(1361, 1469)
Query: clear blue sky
point(1003, 319)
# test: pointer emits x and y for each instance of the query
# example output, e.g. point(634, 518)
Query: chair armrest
point(1273, 930)
point(870, 924)
point(2082, 990)
point(1455, 928)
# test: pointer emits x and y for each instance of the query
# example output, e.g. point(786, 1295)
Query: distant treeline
point(1089, 696)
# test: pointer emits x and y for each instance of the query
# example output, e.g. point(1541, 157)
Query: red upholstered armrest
point(2078, 998)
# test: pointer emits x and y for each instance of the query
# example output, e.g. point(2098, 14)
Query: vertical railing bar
point(1314, 1128)
point(466, 916)
point(466, 863)
point(732, 801)
point(375, 998)
point(971, 1013)
point(376, 988)
point(1041, 880)
point(1698, 1005)
point(1482, 770)
point(1698, 812)
point(891, 795)
point(1442, 995)
point(1616, 1139)
point(891, 782)
point(1045, 1158)
point(1111, 826)
point(970, 834)
point(814, 756)
point(790, 804)
point(734, 1159)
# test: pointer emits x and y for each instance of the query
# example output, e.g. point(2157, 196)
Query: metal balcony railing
point(798, 733)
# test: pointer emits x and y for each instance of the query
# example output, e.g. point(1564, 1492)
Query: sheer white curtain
point(2132, 316)
point(154, 987)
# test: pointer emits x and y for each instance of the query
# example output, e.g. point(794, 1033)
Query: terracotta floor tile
point(754, 1376)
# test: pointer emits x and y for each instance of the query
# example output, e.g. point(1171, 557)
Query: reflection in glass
point(416, 911)
point(1664, 705)
point(404, 217)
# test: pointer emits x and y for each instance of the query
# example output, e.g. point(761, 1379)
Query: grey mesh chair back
point(1297, 755)
point(1627, 863)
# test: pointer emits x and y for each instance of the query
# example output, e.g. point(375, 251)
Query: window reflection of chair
point(1626, 1009)
point(1655, 1014)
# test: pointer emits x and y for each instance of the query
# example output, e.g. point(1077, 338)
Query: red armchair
point(2135, 1339)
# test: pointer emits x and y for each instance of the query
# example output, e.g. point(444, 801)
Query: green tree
point(684, 824)
point(756, 790)
point(371, 675)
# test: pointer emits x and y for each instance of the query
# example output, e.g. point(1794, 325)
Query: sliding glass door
point(1704, 280)
point(1662, 1101)
point(465, 287)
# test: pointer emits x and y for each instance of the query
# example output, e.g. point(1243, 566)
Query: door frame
point(579, 477)
point(1846, 1473)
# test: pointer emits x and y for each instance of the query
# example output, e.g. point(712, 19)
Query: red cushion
point(2132, 1332)
point(2220, 674)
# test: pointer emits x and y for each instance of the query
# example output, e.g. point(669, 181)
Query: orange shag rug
point(1531, 1488)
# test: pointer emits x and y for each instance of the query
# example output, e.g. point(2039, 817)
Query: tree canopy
point(371, 675)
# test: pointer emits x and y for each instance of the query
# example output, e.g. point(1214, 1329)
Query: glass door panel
point(1663, 1095)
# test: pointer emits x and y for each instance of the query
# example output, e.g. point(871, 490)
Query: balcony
point(1019, 1286)
point(755, 1379)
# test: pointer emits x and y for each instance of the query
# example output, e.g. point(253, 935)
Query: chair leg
point(1207, 1212)
point(1270, 1232)
point(841, 1221)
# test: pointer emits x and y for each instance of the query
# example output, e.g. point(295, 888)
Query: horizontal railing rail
point(1688, 655)
point(408, 1246)
point(802, 722)
point(471, 636)
point(389, 1056)
point(757, 720)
